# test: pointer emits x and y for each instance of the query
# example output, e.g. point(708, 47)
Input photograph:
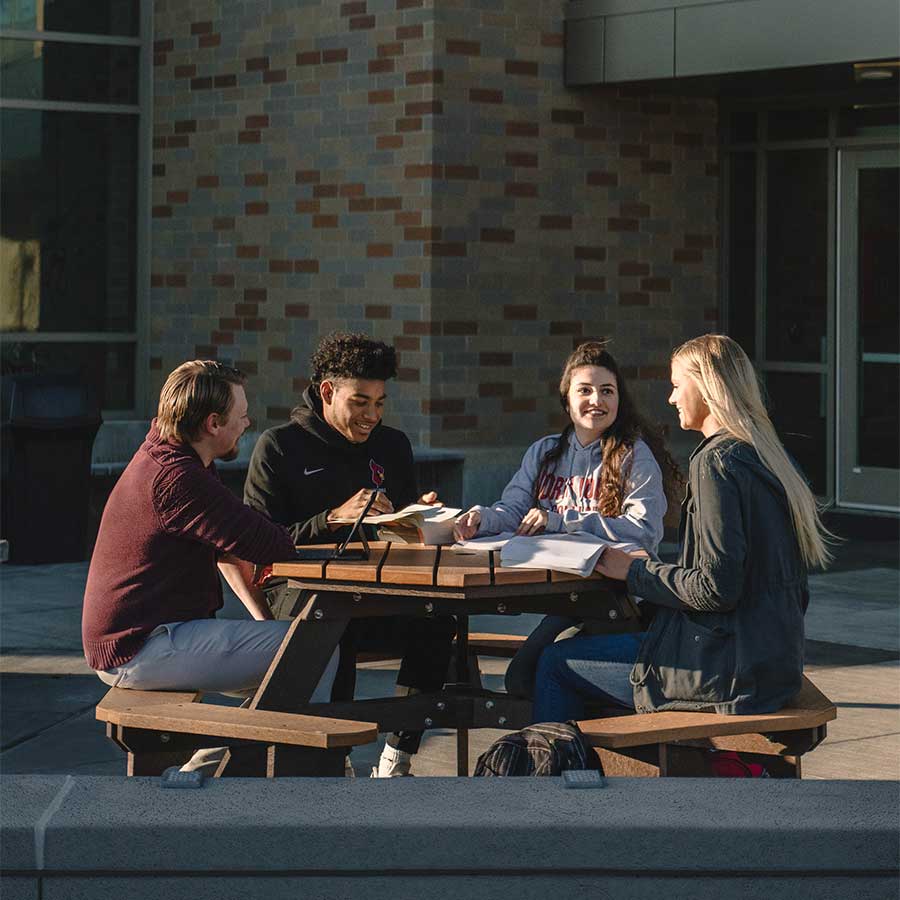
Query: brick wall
point(417, 171)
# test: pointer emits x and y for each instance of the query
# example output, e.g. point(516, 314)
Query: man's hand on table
point(615, 563)
point(466, 526)
point(350, 509)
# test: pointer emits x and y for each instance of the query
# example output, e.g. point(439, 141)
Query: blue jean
point(587, 667)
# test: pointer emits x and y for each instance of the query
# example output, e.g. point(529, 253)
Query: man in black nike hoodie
point(323, 465)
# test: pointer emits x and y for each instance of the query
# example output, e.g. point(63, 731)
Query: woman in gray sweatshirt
point(601, 476)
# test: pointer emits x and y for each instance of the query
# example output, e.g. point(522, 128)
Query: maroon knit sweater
point(167, 520)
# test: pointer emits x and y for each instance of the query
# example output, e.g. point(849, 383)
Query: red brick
point(419, 170)
point(306, 266)
point(463, 48)
point(388, 142)
point(521, 67)
point(307, 176)
point(176, 279)
point(413, 217)
point(425, 76)
point(246, 251)
point(443, 405)
point(590, 283)
point(384, 96)
point(255, 295)
point(323, 221)
point(407, 342)
point(256, 208)
point(161, 212)
point(521, 189)
point(565, 327)
point(156, 363)
point(406, 374)
point(178, 140)
point(280, 354)
point(635, 210)
point(522, 160)
point(201, 84)
point(256, 179)
point(597, 253)
point(495, 389)
point(555, 223)
point(281, 266)
point(702, 241)
point(590, 133)
point(485, 95)
point(210, 40)
point(376, 251)
point(409, 32)
point(274, 76)
point(160, 59)
point(362, 23)
point(177, 196)
point(602, 179)
point(393, 49)
point(254, 324)
point(494, 358)
point(469, 173)
point(619, 224)
point(634, 151)
point(409, 4)
point(167, 45)
point(498, 235)
point(567, 116)
point(248, 367)
point(656, 167)
point(422, 233)
point(221, 279)
point(424, 108)
point(206, 351)
point(304, 207)
point(185, 71)
point(380, 66)
point(356, 8)
point(229, 323)
point(552, 39)
point(520, 312)
point(456, 328)
point(519, 404)
point(662, 285)
point(420, 327)
point(458, 423)
point(325, 190)
point(407, 280)
point(336, 55)
point(361, 204)
point(445, 249)
point(522, 129)
point(296, 310)
point(222, 337)
point(201, 27)
point(299, 383)
point(257, 64)
point(634, 298)
point(223, 223)
point(378, 311)
point(258, 121)
point(683, 139)
point(408, 124)
point(249, 137)
point(187, 126)
point(352, 189)
point(388, 204)
point(159, 142)
point(631, 268)
point(687, 256)
point(307, 58)
point(207, 181)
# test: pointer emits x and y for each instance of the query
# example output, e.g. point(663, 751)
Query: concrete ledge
point(465, 838)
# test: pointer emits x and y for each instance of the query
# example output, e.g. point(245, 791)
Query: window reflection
point(114, 17)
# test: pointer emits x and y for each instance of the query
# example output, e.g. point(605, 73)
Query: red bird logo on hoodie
point(377, 473)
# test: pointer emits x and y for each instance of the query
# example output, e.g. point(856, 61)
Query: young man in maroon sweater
point(153, 587)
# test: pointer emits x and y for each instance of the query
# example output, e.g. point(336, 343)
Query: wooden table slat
point(518, 576)
point(296, 569)
point(409, 564)
point(566, 576)
point(358, 570)
point(463, 569)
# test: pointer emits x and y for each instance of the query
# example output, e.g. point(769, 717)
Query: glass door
point(868, 312)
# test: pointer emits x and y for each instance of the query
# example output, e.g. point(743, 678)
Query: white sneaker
point(393, 763)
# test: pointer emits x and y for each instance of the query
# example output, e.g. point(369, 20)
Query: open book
point(414, 524)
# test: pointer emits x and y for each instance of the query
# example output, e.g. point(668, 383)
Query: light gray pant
point(225, 656)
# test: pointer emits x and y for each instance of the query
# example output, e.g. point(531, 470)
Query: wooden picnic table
point(405, 579)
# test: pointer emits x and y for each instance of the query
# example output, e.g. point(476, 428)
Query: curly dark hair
point(617, 440)
point(343, 355)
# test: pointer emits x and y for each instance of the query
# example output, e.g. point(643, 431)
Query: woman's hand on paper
point(466, 526)
point(533, 522)
point(430, 498)
point(350, 509)
point(615, 563)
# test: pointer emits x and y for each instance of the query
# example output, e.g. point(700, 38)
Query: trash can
point(48, 427)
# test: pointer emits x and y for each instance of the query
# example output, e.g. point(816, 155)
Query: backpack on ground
point(548, 748)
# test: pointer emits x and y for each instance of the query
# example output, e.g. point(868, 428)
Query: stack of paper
point(576, 553)
point(488, 542)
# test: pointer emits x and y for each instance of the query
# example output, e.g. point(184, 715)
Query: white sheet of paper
point(576, 554)
point(487, 542)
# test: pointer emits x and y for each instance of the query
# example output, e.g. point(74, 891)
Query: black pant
point(424, 645)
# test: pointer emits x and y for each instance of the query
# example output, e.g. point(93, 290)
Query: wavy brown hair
point(617, 441)
point(192, 392)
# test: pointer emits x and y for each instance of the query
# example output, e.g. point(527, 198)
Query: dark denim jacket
point(727, 632)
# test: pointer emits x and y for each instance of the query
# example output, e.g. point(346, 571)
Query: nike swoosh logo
point(313, 471)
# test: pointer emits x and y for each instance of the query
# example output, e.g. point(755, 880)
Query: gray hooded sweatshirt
point(570, 494)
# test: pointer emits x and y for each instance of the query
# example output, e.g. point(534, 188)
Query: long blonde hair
point(729, 386)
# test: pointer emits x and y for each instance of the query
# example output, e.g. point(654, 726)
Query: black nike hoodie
point(303, 469)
